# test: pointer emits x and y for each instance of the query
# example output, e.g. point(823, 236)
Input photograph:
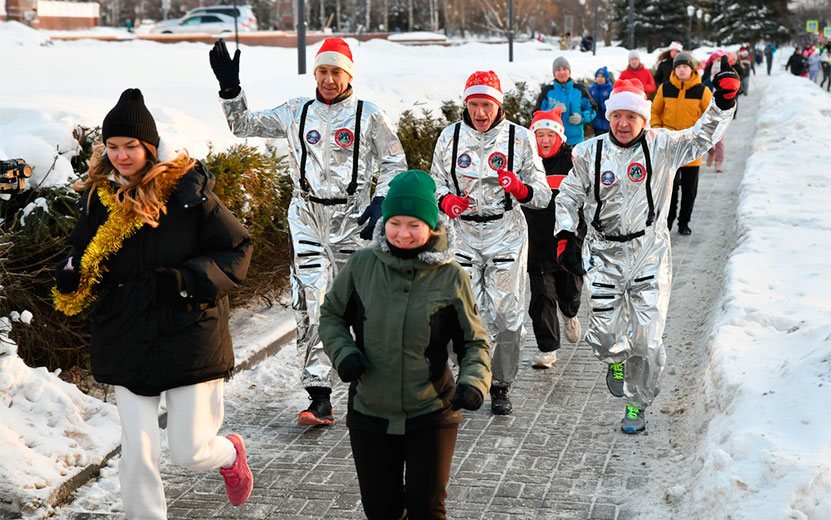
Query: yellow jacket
point(678, 105)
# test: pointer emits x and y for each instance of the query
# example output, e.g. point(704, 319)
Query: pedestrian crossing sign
point(812, 26)
point(827, 32)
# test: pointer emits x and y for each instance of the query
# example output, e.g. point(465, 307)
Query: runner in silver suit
point(332, 191)
point(493, 235)
point(626, 254)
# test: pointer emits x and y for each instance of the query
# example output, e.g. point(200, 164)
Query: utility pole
point(301, 37)
point(510, 30)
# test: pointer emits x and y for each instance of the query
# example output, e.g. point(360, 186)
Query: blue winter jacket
point(600, 93)
point(577, 101)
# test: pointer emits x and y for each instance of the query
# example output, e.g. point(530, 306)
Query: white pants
point(194, 415)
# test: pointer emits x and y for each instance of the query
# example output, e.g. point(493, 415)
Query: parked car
point(214, 23)
point(245, 15)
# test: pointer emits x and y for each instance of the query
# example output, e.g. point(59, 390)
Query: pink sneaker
point(238, 478)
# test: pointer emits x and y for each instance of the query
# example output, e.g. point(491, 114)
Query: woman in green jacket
point(404, 299)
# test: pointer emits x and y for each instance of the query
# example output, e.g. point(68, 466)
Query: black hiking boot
point(500, 403)
point(320, 410)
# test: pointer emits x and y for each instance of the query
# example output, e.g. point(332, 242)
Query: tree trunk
point(410, 17)
point(337, 15)
point(387, 15)
point(368, 13)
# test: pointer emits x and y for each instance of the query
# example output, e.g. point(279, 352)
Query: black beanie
point(683, 58)
point(130, 118)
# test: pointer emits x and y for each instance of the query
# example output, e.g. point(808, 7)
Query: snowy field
point(766, 451)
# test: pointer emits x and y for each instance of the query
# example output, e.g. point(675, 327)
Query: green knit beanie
point(412, 193)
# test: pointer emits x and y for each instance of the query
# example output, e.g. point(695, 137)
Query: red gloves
point(453, 205)
point(512, 185)
point(727, 84)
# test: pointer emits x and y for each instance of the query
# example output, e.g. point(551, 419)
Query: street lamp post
point(698, 14)
point(301, 37)
point(707, 25)
point(690, 13)
point(582, 13)
point(594, 33)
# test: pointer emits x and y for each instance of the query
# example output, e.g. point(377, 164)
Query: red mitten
point(453, 205)
point(512, 185)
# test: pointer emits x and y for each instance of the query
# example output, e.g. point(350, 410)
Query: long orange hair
point(140, 193)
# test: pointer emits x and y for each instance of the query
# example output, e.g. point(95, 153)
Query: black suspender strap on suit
point(596, 220)
point(304, 185)
point(356, 154)
point(455, 151)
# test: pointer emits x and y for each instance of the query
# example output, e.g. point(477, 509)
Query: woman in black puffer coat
point(154, 255)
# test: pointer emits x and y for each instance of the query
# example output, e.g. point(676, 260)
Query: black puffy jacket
point(139, 343)
point(541, 243)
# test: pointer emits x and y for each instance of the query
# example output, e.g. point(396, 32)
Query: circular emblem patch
point(607, 178)
point(464, 161)
point(636, 172)
point(312, 137)
point(344, 137)
point(497, 160)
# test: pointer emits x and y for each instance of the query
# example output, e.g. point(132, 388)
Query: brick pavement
point(559, 456)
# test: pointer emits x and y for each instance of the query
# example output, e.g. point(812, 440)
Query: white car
point(245, 15)
point(213, 23)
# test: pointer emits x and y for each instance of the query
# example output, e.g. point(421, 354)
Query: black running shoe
point(500, 403)
point(319, 411)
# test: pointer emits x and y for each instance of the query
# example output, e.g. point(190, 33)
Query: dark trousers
point(547, 291)
point(404, 476)
point(686, 178)
point(769, 62)
point(826, 76)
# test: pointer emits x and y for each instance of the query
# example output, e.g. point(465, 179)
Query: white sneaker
point(545, 359)
point(573, 329)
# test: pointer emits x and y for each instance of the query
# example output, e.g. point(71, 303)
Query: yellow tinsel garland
point(108, 239)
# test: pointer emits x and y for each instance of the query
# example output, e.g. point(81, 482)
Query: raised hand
point(225, 68)
point(727, 84)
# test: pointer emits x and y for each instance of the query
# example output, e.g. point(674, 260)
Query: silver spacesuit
point(626, 253)
point(335, 151)
point(493, 235)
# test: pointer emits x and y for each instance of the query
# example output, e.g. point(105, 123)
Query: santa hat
point(628, 94)
point(336, 52)
point(485, 85)
point(549, 119)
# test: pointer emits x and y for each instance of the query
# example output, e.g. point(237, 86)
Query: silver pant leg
point(607, 332)
point(649, 301)
point(504, 275)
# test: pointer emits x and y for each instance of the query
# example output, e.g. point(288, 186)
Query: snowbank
point(49, 432)
point(767, 450)
point(15, 33)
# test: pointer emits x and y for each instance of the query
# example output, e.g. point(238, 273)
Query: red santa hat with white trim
point(549, 119)
point(485, 85)
point(628, 94)
point(336, 52)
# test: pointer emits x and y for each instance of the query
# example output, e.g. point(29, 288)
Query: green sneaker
point(633, 421)
point(614, 379)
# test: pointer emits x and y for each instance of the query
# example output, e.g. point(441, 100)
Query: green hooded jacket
point(403, 313)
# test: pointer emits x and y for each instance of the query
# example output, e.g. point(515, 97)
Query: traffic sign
point(812, 26)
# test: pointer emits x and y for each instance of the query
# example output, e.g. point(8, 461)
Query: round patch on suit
point(344, 137)
point(607, 178)
point(497, 160)
point(312, 137)
point(636, 172)
point(464, 161)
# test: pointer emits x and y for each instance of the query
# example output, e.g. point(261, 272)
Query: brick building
point(48, 14)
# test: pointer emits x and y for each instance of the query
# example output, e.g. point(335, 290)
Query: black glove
point(352, 366)
point(68, 276)
point(727, 84)
point(225, 69)
point(568, 254)
point(169, 287)
point(466, 397)
point(373, 213)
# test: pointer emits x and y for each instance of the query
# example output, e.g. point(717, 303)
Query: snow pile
point(44, 140)
point(15, 33)
point(767, 450)
point(50, 430)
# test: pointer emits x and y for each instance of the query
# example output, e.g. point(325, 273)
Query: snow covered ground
point(766, 453)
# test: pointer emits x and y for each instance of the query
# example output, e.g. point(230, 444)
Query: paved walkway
point(560, 455)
